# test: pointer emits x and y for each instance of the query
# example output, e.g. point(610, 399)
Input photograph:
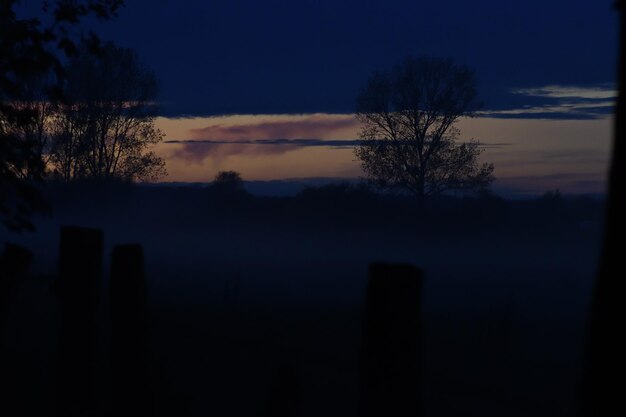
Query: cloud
point(315, 125)
point(196, 151)
point(293, 142)
point(559, 91)
point(559, 102)
point(264, 135)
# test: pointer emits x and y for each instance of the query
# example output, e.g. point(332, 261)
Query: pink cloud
point(197, 152)
point(198, 146)
point(315, 126)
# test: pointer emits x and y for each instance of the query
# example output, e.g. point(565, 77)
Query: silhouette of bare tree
point(409, 138)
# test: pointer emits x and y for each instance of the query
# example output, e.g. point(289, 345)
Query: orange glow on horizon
point(520, 148)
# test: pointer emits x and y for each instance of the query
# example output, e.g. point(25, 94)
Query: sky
point(268, 87)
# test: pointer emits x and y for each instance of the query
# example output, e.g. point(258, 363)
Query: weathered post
point(78, 283)
point(129, 338)
point(14, 264)
point(390, 351)
point(284, 394)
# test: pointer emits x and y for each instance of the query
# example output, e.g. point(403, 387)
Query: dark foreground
point(242, 288)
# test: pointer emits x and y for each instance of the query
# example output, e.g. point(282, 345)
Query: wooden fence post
point(390, 351)
point(78, 284)
point(14, 264)
point(130, 337)
point(284, 395)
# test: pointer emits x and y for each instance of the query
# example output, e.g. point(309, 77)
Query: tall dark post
point(603, 386)
point(390, 351)
point(14, 264)
point(284, 395)
point(129, 339)
point(15, 261)
point(80, 273)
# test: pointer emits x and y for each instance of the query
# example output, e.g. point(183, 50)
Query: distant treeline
point(335, 205)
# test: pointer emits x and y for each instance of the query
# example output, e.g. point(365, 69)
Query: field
point(240, 286)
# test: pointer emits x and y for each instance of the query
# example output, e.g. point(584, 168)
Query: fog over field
point(236, 288)
point(354, 208)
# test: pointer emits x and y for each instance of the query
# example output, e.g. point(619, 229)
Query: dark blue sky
point(300, 56)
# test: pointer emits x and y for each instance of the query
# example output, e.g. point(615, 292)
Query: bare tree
point(408, 135)
point(33, 130)
point(33, 47)
point(106, 128)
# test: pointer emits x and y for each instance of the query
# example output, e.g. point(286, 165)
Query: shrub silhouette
point(228, 182)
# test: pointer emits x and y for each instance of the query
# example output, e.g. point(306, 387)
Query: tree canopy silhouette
point(408, 135)
point(31, 53)
point(228, 182)
point(106, 127)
